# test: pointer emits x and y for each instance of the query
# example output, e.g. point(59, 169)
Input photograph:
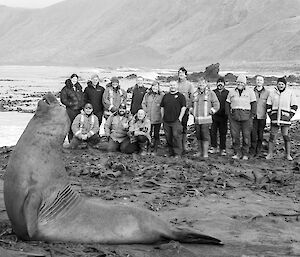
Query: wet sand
point(252, 206)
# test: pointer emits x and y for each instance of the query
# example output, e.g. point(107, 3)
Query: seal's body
point(42, 205)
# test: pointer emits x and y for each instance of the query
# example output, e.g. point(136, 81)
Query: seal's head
point(51, 117)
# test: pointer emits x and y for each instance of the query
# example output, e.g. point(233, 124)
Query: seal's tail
point(193, 237)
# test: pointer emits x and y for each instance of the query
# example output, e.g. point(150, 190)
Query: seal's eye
point(45, 100)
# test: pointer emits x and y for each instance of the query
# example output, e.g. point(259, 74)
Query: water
point(27, 82)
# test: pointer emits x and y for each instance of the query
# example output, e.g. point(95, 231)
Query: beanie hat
point(221, 80)
point(74, 75)
point(282, 79)
point(241, 78)
point(94, 76)
point(114, 79)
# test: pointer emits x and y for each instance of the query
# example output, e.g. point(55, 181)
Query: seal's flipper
point(30, 210)
point(193, 237)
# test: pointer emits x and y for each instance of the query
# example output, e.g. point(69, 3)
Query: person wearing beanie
point(219, 120)
point(71, 96)
point(85, 128)
point(259, 121)
point(93, 94)
point(113, 97)
point(281, 107)
point(116, 130)
point(186, 88)
point(205, 104)
point(241, 108)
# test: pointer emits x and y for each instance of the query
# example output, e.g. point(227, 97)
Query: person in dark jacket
point(219, 120)
point(138, 93)
point(93, 94)
point(72, 97)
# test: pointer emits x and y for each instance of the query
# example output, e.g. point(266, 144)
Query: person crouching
point(139, 134)
point(116, 129)
point(85, 128)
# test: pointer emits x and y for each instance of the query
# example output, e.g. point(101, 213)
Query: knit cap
point(114, 79)
point(242, 78)
point(221, 80)
point(282, 79)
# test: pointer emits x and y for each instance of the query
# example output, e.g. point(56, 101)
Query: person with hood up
point(85, 128)
point(151, 105)
point(72, 97)
point(116, 129)
point(281, 107)
point(93, 94)
point(113, 97)
point(205, 104)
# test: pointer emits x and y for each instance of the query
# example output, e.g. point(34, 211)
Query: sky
point(29, 3)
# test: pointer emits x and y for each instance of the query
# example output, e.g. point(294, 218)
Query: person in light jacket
point(151, 105)
point(205, 104)
point(113, 97)
point(139, 134)
point(241, 109)
point(85, 128)
point(281, 107)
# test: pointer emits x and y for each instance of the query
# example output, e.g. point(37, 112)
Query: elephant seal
point(42, 205)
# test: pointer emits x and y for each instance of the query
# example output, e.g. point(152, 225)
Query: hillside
point(151, 33)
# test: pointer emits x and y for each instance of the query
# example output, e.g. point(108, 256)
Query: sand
point(252, 206)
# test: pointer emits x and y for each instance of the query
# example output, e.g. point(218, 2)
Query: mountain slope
point(151, 33)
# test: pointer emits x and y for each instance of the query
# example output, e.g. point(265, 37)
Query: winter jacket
point(222, 96)
point(112, 99)
point(116, 127)
point(151, 105)
point(137, 98)
point(241, 106)
point(72, 96)
point(85, 125)
point(205, 104)
point(261, 102)
point(93, 94)
point(187, 89)
point(140, 127)
point(281, 106)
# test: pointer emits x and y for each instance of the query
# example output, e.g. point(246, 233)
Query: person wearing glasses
point(85, 128)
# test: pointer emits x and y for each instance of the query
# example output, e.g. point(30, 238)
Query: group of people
point(133, 125)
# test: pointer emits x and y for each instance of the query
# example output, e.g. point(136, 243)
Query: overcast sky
point(29, 3)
